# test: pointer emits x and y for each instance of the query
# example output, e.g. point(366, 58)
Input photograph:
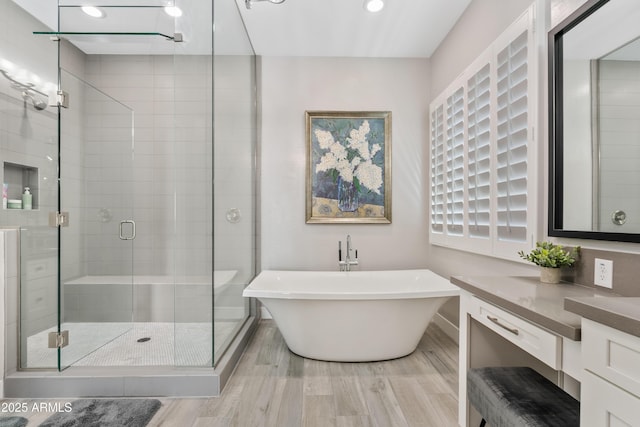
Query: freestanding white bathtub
point(355, 316)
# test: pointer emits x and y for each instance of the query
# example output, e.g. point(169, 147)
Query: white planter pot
point(550, 275)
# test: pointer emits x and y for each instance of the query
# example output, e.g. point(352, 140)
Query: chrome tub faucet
point(345, 265)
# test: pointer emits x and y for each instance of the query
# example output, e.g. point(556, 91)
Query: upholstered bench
point(519, 396)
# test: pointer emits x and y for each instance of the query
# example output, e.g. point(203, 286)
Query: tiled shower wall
point(234, 167)
point(617, 136)
point(619, 110)
point(29, 137)
point(171, 168)
point(171, 100)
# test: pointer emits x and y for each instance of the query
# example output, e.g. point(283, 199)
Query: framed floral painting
point(348, 166)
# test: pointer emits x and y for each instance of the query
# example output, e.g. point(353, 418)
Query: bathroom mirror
point(594, 122)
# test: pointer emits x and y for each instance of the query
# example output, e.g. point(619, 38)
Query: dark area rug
point(105, 413)
point(13, 421)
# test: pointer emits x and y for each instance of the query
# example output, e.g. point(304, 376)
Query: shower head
point(29, 92)
point(38, 104)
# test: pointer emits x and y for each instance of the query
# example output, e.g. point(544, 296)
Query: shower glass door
point(96, 243)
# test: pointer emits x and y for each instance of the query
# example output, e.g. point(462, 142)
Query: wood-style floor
point(273, 387)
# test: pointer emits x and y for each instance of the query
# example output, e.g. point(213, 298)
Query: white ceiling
point(129, 16)
point(404, 28)
point(295, 28)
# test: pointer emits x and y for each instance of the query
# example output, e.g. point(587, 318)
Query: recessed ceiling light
point(374, 5)
point(93, 11)
point(174, 11)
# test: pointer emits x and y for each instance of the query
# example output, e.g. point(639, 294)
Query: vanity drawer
point(39, 268)
point(603, 404)
point(612, 354)
point(537, 341)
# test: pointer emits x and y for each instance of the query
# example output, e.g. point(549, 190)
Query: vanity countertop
point(622, 313)
point(538, 302)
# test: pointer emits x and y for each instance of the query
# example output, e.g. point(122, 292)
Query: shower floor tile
point(116, 344)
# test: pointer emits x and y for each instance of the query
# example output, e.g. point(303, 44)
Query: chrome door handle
point(133, 229)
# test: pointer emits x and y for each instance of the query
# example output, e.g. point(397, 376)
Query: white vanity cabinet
point(610, 392)
point(585, 340)
point(537, 341)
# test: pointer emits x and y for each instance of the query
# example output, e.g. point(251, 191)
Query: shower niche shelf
point(17, 177)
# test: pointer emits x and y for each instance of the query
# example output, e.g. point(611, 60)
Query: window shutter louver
point(437, 169)
point(511, 140)
point(479, 153)
point(455, 163)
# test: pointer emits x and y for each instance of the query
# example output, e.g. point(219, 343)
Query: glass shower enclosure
point(142, 167)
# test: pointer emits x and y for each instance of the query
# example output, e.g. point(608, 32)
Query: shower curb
point(131, 381)
point(91, 382)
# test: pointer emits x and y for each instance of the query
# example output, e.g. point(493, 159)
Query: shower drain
point(145, 339)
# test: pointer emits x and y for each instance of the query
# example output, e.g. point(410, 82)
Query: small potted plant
point(550, 258)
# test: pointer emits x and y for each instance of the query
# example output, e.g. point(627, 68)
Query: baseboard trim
point(447, 327)
point(264, 313)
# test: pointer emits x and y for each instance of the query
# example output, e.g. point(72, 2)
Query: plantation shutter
point(479, 153)
point(437, 169)
point(455, 163)
point(511, 140)
point(483, 155)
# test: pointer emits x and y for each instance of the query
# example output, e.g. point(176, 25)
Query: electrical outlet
point(603, 273)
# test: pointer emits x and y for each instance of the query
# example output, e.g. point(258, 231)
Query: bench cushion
point(519, 396)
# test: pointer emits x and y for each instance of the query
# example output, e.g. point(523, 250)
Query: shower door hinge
point(62, 99)
point(58, 340)
point(58, 219)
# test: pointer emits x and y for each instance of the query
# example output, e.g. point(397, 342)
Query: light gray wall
point(561, 9)
point(480, 24)
point(293, 85)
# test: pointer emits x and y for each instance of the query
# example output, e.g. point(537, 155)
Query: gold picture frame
point(348, 170)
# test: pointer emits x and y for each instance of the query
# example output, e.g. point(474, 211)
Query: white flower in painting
point(357, 140)
point(370, 176)
point(355, 147)
point(325, 139)
point(327, 162)
point(345, 170)
point(374, 149)
point(339, 151)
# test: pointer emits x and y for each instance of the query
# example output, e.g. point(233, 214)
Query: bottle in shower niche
point(27, 199)
point(5, 195)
